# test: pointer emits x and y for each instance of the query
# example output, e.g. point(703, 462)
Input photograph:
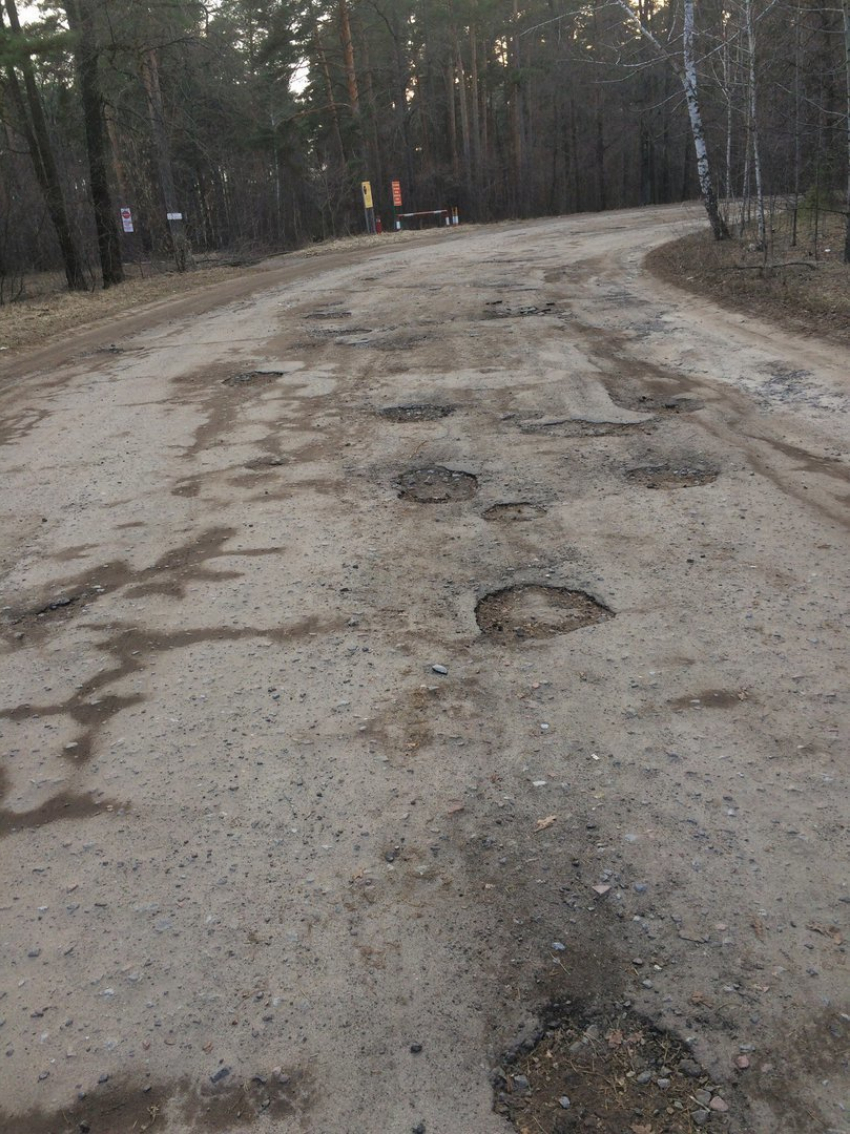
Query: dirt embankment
point(801, 282)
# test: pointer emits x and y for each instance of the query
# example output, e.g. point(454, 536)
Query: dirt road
point(265, 866)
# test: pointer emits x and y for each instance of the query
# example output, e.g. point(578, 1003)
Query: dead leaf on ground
point(601, 889)
point(454, 808)
point(830, 931)
point(641, 1128)
point(615, 1038)
point(542, 824)
point(758, 928)
point(700, 998)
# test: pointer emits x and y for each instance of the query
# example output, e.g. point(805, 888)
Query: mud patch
point(417, 411)
point(253, 378)
point(436, 485)
point(533, 610)
point(517, 511)
point(230, 1104)
point(671, 475)
point(608, 1072)
point(581, 427)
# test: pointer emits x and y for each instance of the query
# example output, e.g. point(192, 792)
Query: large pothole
point(515, 511)
point(581, 427)
point(609, 1072)
point(671, 475)
point(416, 411)
point(657, 403)
point(533, 610)
point(436, 485)
point(253, 378)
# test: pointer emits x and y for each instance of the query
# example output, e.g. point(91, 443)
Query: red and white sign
point(127, 220)
point(397, 194)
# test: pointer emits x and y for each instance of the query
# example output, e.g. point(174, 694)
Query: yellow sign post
point(366, 186)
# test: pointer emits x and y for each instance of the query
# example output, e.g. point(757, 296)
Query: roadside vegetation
point(798, 278)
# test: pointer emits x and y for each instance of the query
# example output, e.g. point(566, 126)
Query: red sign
point(397, 194)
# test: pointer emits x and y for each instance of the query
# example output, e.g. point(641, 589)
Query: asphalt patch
point(516, 511)
point(671, 475)
point(609, 1072)
point(530, 610)
point(418, 411)
point(436, 485)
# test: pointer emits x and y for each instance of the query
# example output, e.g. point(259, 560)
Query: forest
point(247, 126)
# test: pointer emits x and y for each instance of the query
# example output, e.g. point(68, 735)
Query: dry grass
point(805, 287)
point(46, 311)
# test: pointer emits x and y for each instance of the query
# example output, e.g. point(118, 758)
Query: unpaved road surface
point(262, 866)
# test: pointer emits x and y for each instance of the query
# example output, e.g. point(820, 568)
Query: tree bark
point(156, 115)
point(81, 22)
point(34, 128)
point(846, 15)
point(689, 83)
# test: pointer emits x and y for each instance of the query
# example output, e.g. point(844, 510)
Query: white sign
point(174, 216)
point(127, 220)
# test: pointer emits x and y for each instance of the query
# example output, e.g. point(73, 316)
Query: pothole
point(516, 511)
point(253, 378)
point(436, 485)
point(608, 1072)
point(418, 411)
point(657, 403)
point(581, 427)
point(671, 475)
point(259, 463)
point(496, 309)
point(532, 610)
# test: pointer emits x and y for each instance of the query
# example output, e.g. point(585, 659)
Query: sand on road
point(263, 866)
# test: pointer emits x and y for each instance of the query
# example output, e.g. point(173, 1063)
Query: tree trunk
point(689, 83)
point(753, 101)
point(846, 13)
point(37, 138)
point(348, 58)
point(81, 22)
point(156, 114)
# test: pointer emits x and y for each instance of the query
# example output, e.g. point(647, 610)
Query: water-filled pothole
point(260, 463)
point(533, 610)
point(253, 378)
point(671, 475)
point(417, 411)
point(657, 403)
point(436, 485)
point(514, 511)
point(581, 427)
point(608, 1071)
